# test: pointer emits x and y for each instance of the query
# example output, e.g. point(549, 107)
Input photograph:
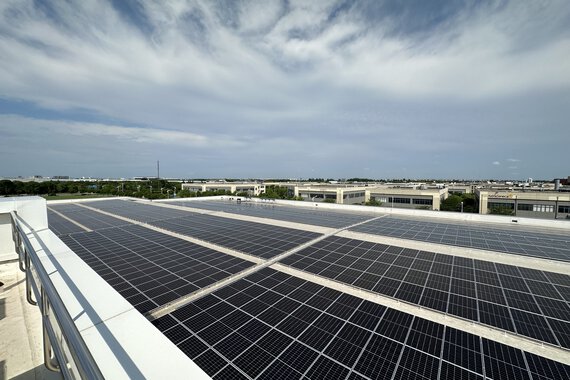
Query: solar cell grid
point(138, 211)
point(503, 362)
point(61, 226)
point(66, 208)
point(149, 268)
point(467, 288)
point(312, 342)
point(536, 244)
point(89, 218)
point(334, 219)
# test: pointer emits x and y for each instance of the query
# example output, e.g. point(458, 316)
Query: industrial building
point(414, 198)
point(211, 288)
point(531, 204)
point(332, 193)
point(251, 188)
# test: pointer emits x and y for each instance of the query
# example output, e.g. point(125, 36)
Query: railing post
point(17, 239)
point(28, 278)
point(21, 253)
point(49, 360)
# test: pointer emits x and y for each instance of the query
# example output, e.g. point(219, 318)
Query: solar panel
point(523, 242)
point(149, 268)
point(290, 328)
point(494, 294)
point(328, 218)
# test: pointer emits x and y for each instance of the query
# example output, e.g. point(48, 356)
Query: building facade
point(427, 199)
point(251, 188)
point(543, 204)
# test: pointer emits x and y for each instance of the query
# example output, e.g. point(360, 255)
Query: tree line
point(148, 189)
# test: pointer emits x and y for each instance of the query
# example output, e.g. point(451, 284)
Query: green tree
point(453, 203)
point(501, 210)
point(373, 202)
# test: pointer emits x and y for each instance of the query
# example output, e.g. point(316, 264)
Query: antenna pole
point(157, 169)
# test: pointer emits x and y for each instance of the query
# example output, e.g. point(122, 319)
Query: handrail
point(79, 362)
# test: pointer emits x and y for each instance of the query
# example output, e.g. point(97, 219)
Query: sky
point(288, 89)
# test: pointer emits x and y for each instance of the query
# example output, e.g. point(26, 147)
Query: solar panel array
point(137, 211)
point(551, 246)
point(275, 325)
point(526, 301)
point(271, 325)
point(255, 239)
point(149, 268)
point(328, 218)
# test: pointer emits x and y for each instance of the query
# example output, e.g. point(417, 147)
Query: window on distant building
point(399, 200)
point(524, 207)
point(491, 205)
point(417, 201)
point(542, 208)
point(564, 209)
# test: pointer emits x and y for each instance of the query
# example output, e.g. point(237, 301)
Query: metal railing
point(65, 350)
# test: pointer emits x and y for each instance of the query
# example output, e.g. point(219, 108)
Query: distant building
point(332, 193)
point(533, 204)
point(461, 189)
point(415, 198)
point(252, 188)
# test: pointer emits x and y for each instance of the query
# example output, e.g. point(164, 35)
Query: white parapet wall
point(123, 343)
point(32, 209)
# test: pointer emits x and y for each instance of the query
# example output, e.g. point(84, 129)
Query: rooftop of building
point(264, 288)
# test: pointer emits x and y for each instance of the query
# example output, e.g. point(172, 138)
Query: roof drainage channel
point(527, 344)
point(470, 253)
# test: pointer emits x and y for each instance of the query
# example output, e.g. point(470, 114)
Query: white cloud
point(496, 163)
point(62, 128)
point(273, 78)
point(513, 160)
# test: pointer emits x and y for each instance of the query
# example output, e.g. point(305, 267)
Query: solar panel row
point(138, 211)
point(333, 219)
point(272, 325)
point(526, 301)
point(61, 226)
point(91, 219)
point(67, 208)
point(255, 239)
point(149, 268)
point(525, 243)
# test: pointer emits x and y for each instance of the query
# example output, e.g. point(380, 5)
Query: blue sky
point(379, 89)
